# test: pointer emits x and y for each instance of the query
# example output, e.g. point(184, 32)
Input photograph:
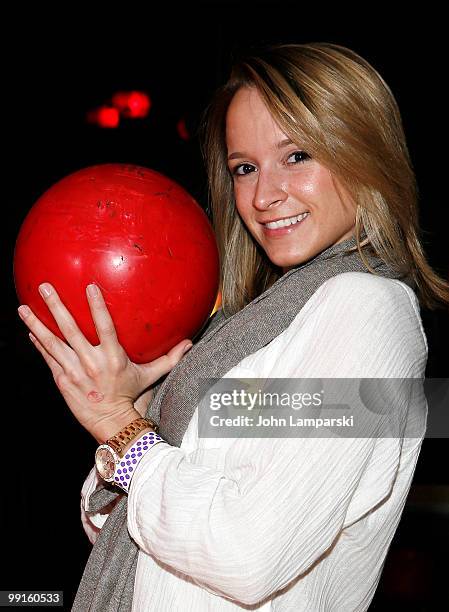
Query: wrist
point(111, 426)
point(142, 402)
point(139, 435)
point(119, 457)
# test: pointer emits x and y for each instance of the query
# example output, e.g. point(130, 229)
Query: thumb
point(179, 350)
point(152, 371)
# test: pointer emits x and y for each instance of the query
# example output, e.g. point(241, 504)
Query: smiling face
point(286, 199)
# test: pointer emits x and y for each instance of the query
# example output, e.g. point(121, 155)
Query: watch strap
point(128, 433)
point(124, 470)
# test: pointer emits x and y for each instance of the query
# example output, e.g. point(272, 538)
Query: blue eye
point(297, 155)
point(245, 169)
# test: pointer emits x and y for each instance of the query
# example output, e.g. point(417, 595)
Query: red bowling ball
point(140, 237)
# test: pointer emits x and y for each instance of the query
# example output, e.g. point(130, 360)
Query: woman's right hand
point(99, 383)
point(141, 403)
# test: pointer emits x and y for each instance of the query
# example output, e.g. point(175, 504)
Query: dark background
point(56, 67)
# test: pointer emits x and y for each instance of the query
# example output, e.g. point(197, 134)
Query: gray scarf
point(107, 584)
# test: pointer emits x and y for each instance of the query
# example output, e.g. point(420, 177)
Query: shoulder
point(364, 286)
point(360, 295)
point(367, 293)
point(357, 317)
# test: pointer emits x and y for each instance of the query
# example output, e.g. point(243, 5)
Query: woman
point(315, 209)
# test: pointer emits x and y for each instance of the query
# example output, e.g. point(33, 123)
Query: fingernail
point(45, 290)
point(187, 348)
point(92, 290)
point(24, 312)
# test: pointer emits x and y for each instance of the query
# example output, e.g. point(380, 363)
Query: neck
point(342, 244)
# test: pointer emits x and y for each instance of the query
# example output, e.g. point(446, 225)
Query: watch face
point(105, 462)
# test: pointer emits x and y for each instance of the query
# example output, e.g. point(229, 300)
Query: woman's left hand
point(99, 383)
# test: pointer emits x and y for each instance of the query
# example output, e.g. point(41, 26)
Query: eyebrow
point(280, 145)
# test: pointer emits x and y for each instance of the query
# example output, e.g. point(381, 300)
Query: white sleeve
point(92, 522)
point(245, 531)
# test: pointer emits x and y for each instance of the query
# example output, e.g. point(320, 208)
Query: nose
point(270, 190)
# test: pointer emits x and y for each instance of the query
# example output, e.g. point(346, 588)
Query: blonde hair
point(339, 108)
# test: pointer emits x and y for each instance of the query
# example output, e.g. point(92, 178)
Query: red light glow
point(104, 116)
point(108, 117)
point(132, 104)
point(182, 129)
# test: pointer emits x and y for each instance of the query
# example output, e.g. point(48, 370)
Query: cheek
point(242, 199)
point(310, 182)
point(320, 189)
point(308, 187)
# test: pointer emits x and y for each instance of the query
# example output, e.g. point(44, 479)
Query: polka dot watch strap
point(125, 469)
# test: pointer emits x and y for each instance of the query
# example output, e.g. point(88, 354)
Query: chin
point(286, 265)
point(290, 261)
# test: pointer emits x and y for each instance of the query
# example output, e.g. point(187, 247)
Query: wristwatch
point(109, 455)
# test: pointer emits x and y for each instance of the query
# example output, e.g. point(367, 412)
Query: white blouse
point(297, 524)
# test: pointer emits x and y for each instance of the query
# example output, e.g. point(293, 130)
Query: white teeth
point(286, 222)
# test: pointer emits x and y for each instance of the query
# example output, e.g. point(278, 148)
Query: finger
point(103, 321)
point(162, 365)
point(53, 345)
point(64, 319)
point(52, 363)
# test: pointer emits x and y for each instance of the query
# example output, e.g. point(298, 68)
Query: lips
point(285, 221)
point(283, 229)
